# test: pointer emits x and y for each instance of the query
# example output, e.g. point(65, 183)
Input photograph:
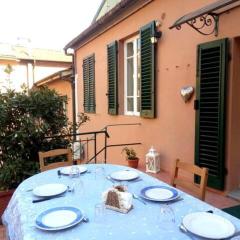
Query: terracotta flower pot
point(133, 163)
point(5, 197)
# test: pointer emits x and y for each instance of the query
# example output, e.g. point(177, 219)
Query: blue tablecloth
point(141, 223)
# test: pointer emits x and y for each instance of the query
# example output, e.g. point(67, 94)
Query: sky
point(47, 23)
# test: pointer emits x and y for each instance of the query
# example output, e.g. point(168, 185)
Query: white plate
point(49, 190)
point(208, 225)
point(124, 175)
point(59, 218)
point(159, 193)
point(66, 170)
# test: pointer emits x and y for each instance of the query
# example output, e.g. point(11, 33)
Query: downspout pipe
point(73, 92)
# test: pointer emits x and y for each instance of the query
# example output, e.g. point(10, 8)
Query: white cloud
point(48, 23)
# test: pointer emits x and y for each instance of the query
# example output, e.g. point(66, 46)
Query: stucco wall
point(23, 72)
point(17, 77)
point(64, 89)
point(172, 133)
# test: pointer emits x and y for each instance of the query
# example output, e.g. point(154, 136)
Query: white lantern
point(152, 161)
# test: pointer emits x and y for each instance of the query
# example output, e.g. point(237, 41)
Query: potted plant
point(131, 157)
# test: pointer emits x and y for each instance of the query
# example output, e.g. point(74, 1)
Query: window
point(89, 84)
point(132, 76)
point(137, 55)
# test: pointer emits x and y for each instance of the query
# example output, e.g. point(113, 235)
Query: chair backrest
point(55, 153)
point(198, 189)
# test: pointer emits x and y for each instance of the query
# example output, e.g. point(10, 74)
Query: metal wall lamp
point(155, 37)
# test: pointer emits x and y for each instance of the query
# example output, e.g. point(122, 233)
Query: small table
point(141, 223)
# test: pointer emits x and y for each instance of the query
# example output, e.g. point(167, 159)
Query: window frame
point(136, 94)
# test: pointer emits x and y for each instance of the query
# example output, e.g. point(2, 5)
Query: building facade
point(132, 68)
point(60, 81)
point(22, 65)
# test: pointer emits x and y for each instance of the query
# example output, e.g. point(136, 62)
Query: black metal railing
point(94, 139)
point(118, 145)
point(84, 142)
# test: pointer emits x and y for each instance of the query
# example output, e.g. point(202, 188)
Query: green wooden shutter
point(112, 55)
point(89, 84)
point(147, 71)
point(85, 84)
point(210, 115)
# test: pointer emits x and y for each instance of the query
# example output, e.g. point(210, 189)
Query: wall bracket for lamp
point(205, 20)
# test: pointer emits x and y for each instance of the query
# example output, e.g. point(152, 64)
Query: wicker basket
point(4, 200)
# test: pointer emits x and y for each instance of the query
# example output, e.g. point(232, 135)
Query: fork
point(183, 229)
point(85, 219)
point(59, 173)
point(70, 189)
point(110, 179)
point(138, 198)
point(29, 190)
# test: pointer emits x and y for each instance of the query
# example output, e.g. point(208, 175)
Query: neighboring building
point(21, 65)
point(61, 82)
point(123, 55)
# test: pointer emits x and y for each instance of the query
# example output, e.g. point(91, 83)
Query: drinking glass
point(77, 183)
point(100, 173)
point(166, 217)
point(99, 213)
point(124, 183)
point(100, 177)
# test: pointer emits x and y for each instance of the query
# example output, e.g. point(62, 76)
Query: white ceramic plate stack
point(59, 218)
point(124, 175)
point(208, 225)
point(49, 190)
point(66, 170)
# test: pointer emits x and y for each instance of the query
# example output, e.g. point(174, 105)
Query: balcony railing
point(83, 140)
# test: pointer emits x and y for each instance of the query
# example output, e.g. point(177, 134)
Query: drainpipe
point(33, 71)
point(70, 52)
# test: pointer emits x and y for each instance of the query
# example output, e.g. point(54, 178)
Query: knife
point(45, 199)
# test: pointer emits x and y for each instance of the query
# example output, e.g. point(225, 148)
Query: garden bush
point(26, 120)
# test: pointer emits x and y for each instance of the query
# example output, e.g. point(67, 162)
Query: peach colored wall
point(172, 132)
point(64, 89)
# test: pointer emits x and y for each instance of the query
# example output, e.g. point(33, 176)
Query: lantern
point(152, 161)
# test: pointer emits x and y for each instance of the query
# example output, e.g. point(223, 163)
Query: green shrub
point(130, 153)
point(26, 119)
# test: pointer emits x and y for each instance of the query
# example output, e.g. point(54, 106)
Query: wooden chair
point(197, 189)
point(55, 153)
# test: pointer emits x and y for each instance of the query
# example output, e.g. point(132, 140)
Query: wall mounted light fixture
point(155, 37)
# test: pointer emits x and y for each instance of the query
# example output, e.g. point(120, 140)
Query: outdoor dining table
point(140, 223)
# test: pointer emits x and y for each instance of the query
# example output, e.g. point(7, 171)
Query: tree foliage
point(26, 119)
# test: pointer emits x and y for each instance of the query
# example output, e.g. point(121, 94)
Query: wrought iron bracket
point(206, 24)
